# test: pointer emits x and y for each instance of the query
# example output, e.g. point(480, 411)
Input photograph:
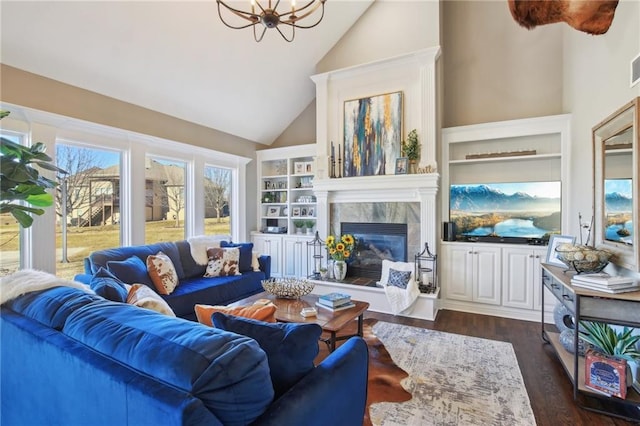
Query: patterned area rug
point(454, 380)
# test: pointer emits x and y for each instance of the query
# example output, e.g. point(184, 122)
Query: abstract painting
point(372, 135)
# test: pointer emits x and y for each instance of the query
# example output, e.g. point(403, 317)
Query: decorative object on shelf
point(295, 212)
point(411, 150)
point(298, 223)
point(372, 131)
point(554, 241)
point(281, 167)
point(339, 269)
point(402, 166)
point(568, 343)
point(499, 154)
point(324, 273)
point(298, 167)
point(273, 211)
point(270, 16)
point(606, 374)
point(563, 318)
point(340, 250)
point(287, 288)
point(426, 271)
point(309, 224)
point(584, 259)
point(429, 168)
point(314, 251)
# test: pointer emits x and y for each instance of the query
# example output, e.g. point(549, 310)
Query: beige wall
point(301, 131)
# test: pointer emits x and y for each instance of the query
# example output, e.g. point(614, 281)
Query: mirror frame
point(624, 118)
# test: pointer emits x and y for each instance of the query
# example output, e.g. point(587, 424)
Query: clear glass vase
point(339, 269)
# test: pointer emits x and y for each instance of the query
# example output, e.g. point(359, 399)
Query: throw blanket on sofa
point(402, 298)
point(28, 280)
point(200, 243)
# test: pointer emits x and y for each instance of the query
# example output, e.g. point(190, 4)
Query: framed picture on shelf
point(311, 212)
point(308, 167)
point(295, 212)
point(554, 242)
point(299, 167)
point(285, 211)
point(402, 165)
point(303, 211)
point(273, 211)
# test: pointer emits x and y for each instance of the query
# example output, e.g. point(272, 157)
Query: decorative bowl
point(287, 288)
point(584, 259)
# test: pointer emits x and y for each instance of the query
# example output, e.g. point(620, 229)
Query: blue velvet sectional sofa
point(69, 357)
point(193, 287)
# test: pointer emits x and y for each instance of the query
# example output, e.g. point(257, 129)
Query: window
point(87, 205)
point(165, 209)
point(217, 200)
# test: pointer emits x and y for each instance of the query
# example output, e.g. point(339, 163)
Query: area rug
point(453, 380)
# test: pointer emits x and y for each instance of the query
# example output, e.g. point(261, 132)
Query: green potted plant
point(618, 344)
point(23, 188)
point(411, 149)
point(309, 224)
point(298, 224)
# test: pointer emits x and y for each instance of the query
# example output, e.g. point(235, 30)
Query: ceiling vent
point(635, 70)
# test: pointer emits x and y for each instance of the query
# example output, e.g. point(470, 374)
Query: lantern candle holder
point(426, 271)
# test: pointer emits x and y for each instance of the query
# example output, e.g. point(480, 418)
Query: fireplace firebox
point(375, 242)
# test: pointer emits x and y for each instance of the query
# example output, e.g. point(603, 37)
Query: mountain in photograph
point(483, 198)
point(616, 202)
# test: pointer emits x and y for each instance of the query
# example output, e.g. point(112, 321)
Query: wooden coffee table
point(288, 310)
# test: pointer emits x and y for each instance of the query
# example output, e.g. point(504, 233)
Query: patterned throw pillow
point(162, 272)
point(266, 313)
point(142, 296)
point(222, 262)
point(399, 278)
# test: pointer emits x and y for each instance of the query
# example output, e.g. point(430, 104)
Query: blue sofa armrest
point(265, 265)
point(339, 383)
point(83, 278)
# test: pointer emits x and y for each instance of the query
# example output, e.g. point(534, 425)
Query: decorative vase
point(339, 269)
point(413, 167)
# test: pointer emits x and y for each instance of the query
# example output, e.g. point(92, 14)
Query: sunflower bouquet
point(340, 248)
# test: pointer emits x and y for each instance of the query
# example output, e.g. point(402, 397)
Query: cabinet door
point(295, 257)
point(518, 269)
point(457, 271)
point(487, 278)
point(270, 245)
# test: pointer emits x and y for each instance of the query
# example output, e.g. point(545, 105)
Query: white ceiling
point(175, 57)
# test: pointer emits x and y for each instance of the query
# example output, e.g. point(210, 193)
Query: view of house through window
point(164, 200)
point(217, 198)
point(87, 205)
point(9, 232)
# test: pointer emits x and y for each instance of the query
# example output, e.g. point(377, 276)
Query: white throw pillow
point(255, 265)
point(398, 266)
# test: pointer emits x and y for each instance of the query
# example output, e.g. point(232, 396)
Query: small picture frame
point(303, 211)
point(311, 212)
point(555, 241)
point(402, 165)
point(299, 167)
point(308, 167)
point(295, 212)
point(273, 211)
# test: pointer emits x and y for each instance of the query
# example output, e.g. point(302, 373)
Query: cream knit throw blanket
point(28, 280)
point(200, 243)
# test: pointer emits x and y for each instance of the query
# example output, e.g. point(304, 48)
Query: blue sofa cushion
point(222, 369)
point(191, 268)
point(246, 249)
point(212, 291)
point(51, 307)
point(290, 347)
point(131, 271)
point(101, 257)
point(105, 284)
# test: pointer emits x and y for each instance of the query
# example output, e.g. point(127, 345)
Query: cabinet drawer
point(552, 284)
point(568, 298)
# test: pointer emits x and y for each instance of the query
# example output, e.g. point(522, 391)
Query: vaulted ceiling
point(175, 57)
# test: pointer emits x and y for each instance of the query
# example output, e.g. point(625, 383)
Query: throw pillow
point(144, 297)
point(399, 278)
point(162, 272)
point(290, 347)
point(245, 254)
point(222, 262)
point(265, 313)
point(398, 266)
point(131, 270)
point(255, 263)
point(107, 285)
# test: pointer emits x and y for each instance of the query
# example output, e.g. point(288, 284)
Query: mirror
point(615, 149)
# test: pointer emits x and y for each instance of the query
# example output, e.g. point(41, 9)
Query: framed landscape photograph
point(372, 135)
point(555, 241)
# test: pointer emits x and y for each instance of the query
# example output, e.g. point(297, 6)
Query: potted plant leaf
point(618, 344)
point(298, 224)
point(24, 189)
point(309, 225)
point(411, 150)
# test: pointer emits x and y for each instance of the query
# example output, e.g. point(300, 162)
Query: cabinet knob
point(471, 252)
point(567, 297)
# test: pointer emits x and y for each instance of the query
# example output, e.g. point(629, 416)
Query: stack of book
point(335, 301)
point(605, 283)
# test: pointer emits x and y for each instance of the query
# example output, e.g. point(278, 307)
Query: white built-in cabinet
point(270, 245)
point(521, 272)
point(472, 272)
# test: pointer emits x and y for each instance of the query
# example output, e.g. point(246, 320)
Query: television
point(514, 210)
point(618, 210)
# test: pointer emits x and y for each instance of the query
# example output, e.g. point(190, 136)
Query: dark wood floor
point(549, 389)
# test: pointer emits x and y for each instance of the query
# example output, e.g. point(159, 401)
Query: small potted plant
point(411, 149)
point(309, 224)
point(298, 224)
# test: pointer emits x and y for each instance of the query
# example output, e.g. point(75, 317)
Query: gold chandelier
point(270, 17)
